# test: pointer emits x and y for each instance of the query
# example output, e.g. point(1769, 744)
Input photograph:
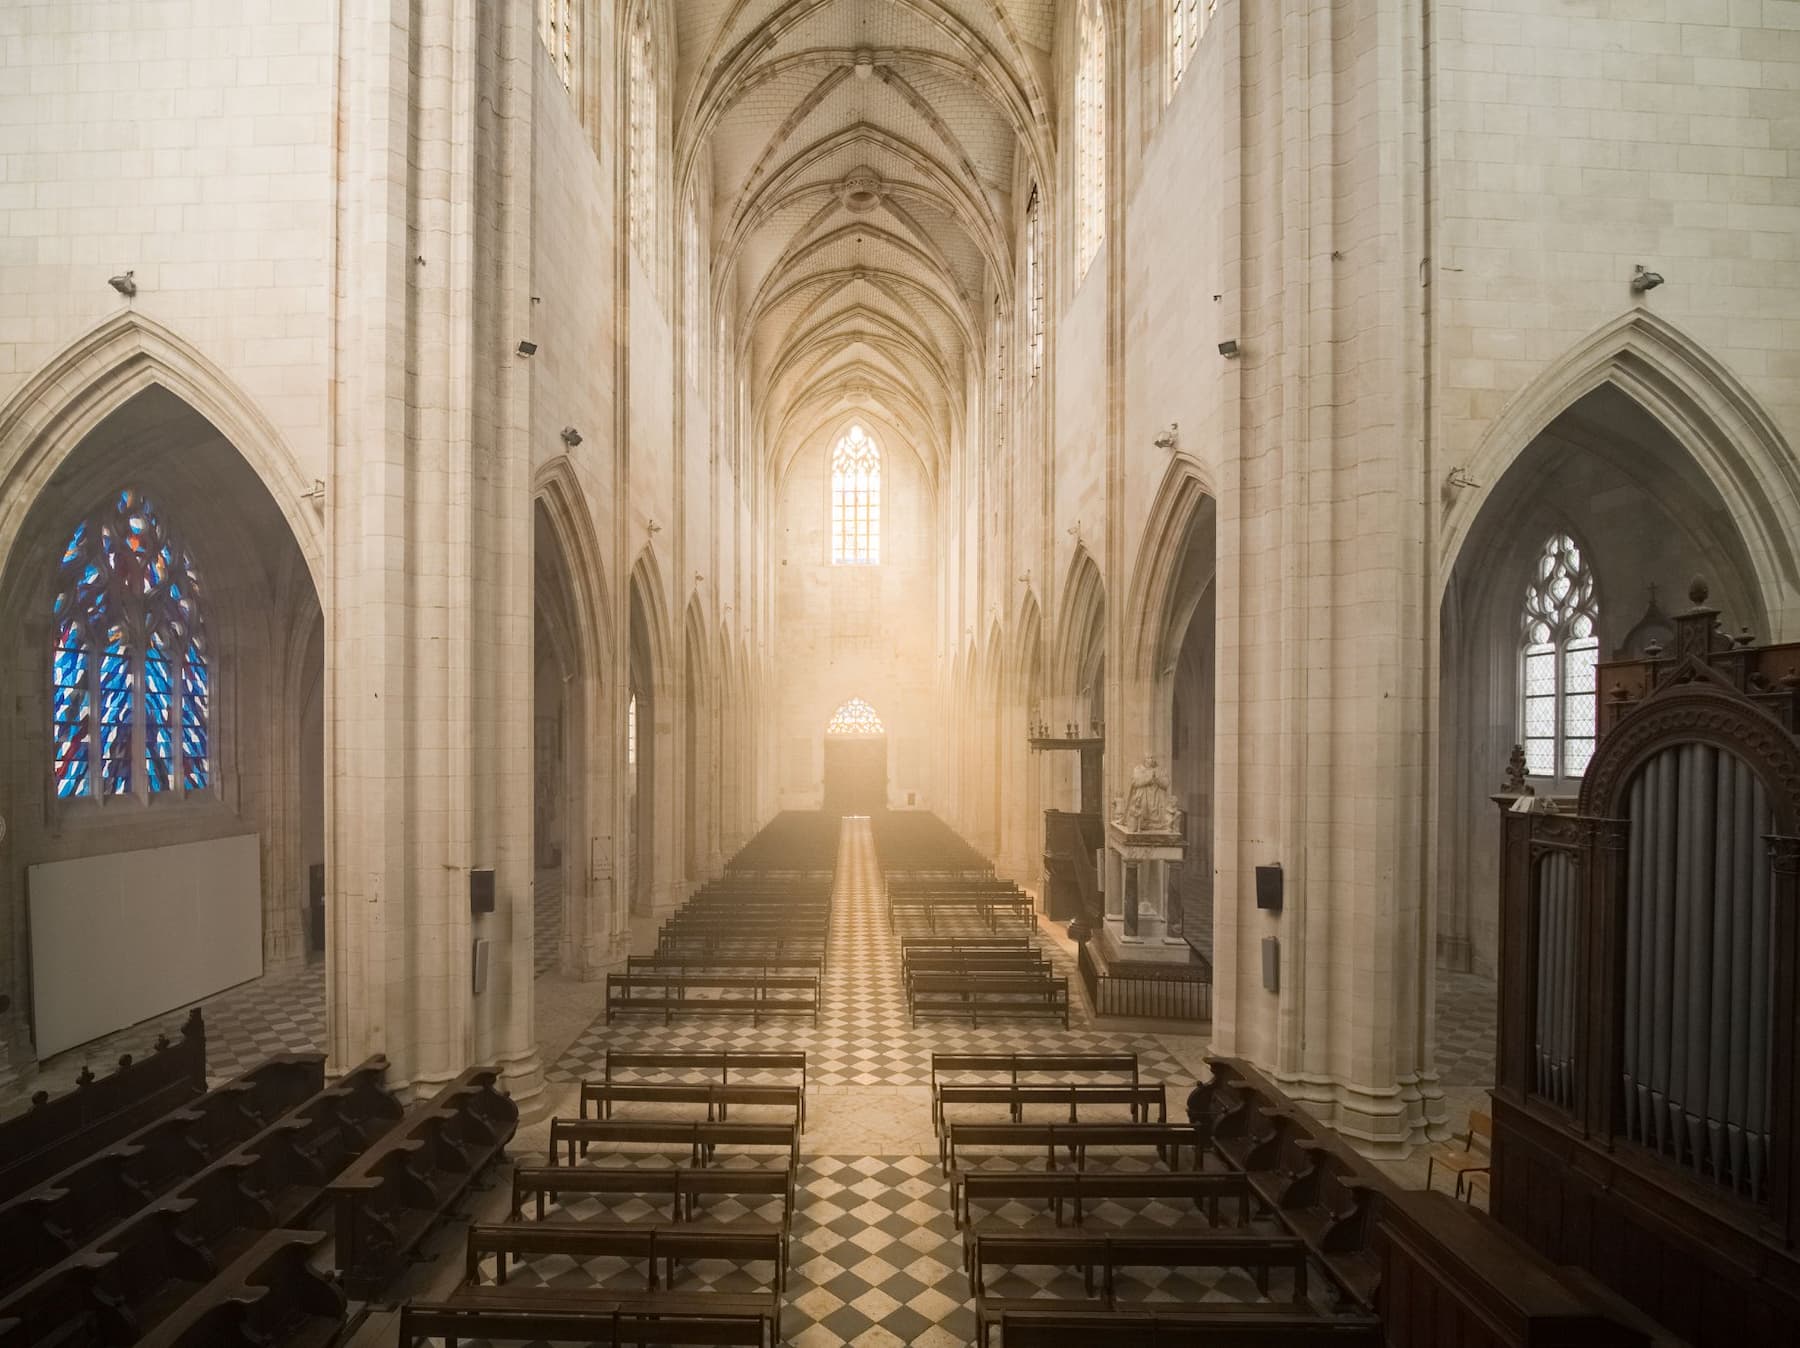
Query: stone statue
point(1149, 808)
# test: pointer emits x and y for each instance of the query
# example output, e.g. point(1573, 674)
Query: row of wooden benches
point(973, 976)
point(157, 1229)
point(712, 992)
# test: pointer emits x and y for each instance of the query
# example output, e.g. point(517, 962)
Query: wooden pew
point(1222, 1325)
point(1010, 1067)
point(1138, 1100)
point(63, 1214)
point(699, 1139)
point(555, 1320)
point(684, 1190)
point(399, 1188)
point(1168, 1140)
point(616, 1066)
point(804, 964)
point(650, 1246)
point(957, 994)
point(1068, 1190)
point(270, 1295)
point(988, 907)
point(718, 1099)
point(1259, 1255)
point(759, 994)
point(54, 1134)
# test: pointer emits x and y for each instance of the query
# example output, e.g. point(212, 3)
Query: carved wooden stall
point(1644, 1116)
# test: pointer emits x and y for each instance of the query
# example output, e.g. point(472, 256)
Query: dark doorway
point(856, 775)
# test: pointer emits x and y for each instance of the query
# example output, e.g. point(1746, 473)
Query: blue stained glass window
point(130, 643)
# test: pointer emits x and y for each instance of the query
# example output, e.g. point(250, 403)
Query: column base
point(1383, 1124)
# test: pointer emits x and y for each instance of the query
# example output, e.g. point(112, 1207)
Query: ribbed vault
point(862, 158)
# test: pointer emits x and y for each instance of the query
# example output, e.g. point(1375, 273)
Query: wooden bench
point(1138, 1100)
point(399, 1188)
point(56, 1133)
point(757, 995)
point(1065, 1190)
point(1167, 1139)
point(959, 994)
point(650, 1246)
point(1106, 1254)
point(268, 1295)
point(986, 906)
point(616, 1065)
point(682, 1189)
point(1215, 1325)
point(806, 964)
point(718, 1099)
point(699, 1139)
point(552, 1319)
point(1011, 1067)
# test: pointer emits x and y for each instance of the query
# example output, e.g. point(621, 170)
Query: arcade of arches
point(518, 450)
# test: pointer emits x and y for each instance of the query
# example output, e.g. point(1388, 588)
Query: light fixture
point(1642, 280)
point(1229, 348)
point(125, 283)
point(1170, 438)
point(528, 347)
point(570, 436)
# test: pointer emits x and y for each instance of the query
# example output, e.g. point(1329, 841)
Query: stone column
point(429, 595)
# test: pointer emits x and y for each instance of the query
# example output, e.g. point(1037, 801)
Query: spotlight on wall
point(570, 436)
point(1642, 280)
point(528, 347)
point(125, 283)
point(1170, 438)
point(1229, 348)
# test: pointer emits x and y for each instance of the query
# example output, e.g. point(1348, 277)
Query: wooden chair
point(1466, 1162)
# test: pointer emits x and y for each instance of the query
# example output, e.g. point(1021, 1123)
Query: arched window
point(856, 500)
point(1034, 276)
point(855, 718)
point(999, 377)
point(696, 326)
point(1090, 137)
point(631, 731)
point(640, 164)
point(1187, 21)
point(555, 25)
point(1559, 651)
point(130, 644)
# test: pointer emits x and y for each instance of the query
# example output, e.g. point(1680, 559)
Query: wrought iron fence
point(1175, 996)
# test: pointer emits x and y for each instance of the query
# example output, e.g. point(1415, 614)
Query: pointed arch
point(96, 374)
point(647, 589)
point(1081, 625)
point(1703, 406)
point(558, 492)
point(1183, 504)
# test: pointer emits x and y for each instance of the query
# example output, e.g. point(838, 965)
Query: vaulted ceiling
point(862, 158)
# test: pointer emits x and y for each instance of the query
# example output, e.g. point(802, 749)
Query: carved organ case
point(1644, 1114)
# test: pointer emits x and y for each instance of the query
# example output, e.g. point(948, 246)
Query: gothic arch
point(1081, 629)
point(1183, 503)
point(1708, 411)
point(95, 375)
point(647, 589)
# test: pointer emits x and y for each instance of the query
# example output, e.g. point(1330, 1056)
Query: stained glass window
point(855, 717)
point(1090, 137)
point(1559, 655)
point(128, 675)
point(856, 500)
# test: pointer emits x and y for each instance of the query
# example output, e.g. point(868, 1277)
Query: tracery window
point(856, 499)
point(555, 27)
point(855, 718)
point(690, 228)
point(640, 169)
point(999, 376)
point(130, 684)
point(1188, 19)
point(631, 731)
point(1034, 276)
point(1558, 656)
point(1090, 137)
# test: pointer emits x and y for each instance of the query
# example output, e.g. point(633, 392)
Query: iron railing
point(1186, 995)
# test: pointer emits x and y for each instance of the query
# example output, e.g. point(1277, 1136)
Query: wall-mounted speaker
point(481, 890)
point(1268, 888)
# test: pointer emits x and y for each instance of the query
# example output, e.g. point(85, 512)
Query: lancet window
point(1558, 656)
